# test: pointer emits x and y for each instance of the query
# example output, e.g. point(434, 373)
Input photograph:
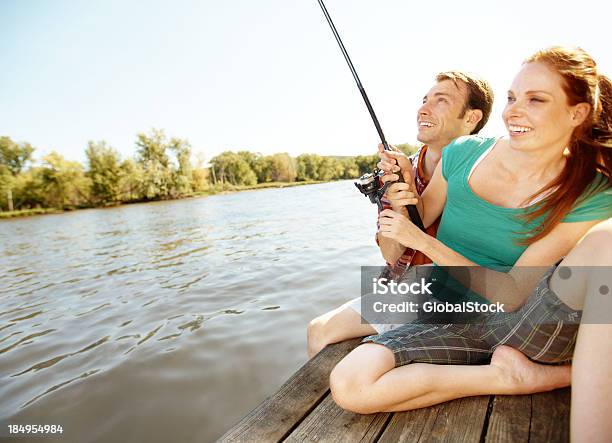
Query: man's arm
point(433, 199)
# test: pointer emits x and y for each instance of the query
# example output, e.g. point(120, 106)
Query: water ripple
point(27, 340)
point(54, 360)
point(54, 388)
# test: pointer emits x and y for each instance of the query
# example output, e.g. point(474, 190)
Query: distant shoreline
point(230, 189)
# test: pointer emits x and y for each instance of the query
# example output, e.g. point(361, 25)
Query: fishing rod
point(369, 184)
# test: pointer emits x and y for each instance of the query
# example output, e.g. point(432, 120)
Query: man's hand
point(398, 194)
point(399, 228)
point(392, 162)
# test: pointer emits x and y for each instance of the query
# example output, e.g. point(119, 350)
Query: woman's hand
point(400, 195)
point(399, 228)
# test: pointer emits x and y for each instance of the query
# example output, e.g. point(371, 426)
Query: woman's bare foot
point(519, 375)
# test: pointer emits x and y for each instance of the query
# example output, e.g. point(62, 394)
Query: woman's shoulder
point(459, 152)
point(471, 141)
point(595, 203)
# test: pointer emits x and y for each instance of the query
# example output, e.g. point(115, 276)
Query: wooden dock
point(303, 410)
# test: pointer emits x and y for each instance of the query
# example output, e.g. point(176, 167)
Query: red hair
point(590, 147)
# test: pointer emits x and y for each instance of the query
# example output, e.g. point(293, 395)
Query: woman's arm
point(430, 204)
point(510, 288)
point(401, 194)
point(390, 249)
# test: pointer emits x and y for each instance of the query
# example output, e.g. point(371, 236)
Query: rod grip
point(413, 212)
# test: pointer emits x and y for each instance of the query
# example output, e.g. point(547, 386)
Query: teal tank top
point(488, 234)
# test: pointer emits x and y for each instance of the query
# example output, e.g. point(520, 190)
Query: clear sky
point(262, 75)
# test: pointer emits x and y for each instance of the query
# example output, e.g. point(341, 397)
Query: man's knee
point(316, 329)
point(339, 324)
point(320, 332)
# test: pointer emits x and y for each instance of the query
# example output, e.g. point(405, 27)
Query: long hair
point(590, 147)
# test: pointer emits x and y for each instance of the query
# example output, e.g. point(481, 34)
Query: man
point(458, 104)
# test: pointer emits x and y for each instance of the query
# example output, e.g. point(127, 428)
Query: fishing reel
point(369, 184)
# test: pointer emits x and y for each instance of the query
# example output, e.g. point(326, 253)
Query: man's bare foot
point(519, 375)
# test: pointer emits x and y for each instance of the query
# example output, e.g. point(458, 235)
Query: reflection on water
point(171, 320)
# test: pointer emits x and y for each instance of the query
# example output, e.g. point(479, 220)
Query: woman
point(559, 120)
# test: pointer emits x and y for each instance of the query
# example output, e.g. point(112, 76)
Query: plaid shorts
point(544, 329)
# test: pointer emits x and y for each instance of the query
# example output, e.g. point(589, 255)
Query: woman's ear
point(579, 113)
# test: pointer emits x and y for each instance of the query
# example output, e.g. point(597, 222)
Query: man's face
point(438, 118)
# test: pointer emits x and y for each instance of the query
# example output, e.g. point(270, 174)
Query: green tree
point(201, 178)
point(153, 157)
point(7, 185)
point(156, 182)
point(232, 168)
point(29, 190)
point(201, 174)
point(104, 171)
point(366, 163)
point(13, 159)
point(131, 180)
point(350, 168)
point(282, 167)
point(64, 182)
point(14, 156)
point(330, 169)
point(182, 176)
point(308, 166)
point(407, 148)
point(261, 166)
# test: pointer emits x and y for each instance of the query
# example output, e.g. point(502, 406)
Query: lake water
point(170, 321)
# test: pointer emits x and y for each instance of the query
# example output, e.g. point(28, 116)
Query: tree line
point(162, 168)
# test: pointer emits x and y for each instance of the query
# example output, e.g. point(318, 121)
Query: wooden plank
point(409, 426)
point(510, 419)
point(459, 420)
point(274, 418)
point(328, 422)
point(550, 417)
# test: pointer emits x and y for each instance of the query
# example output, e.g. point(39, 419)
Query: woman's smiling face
point(537, 114)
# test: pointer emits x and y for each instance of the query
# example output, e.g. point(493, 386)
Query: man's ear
point(579, 113)
point(474, 116)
